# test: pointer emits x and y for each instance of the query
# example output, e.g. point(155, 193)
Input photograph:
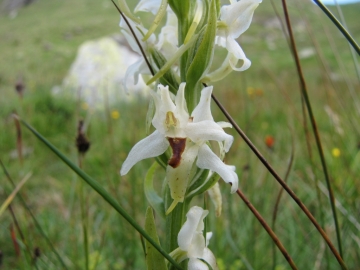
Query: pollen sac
point(178, 147)
point(170, 120)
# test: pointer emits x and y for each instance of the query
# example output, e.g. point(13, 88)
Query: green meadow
point(43, 228)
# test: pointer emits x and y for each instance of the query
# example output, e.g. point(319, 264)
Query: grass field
point(40, 44)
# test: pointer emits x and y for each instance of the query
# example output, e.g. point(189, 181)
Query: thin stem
point(339, 26)
point(281, 182)
point(303, 88)
point(267, 228)
point(83, 214)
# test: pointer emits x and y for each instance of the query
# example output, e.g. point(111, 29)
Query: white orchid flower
point(192, 244)
point(187, 136)
point(235, 19)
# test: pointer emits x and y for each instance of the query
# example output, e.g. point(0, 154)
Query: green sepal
point(125, 9)
point(182, 49)
point(158, 17)
point(206, 185)
point(178, 255)
point(169, 78)
point(198, 180)
point(218, 6)
point(199, 58)
point(153, 198)
point(154, 260)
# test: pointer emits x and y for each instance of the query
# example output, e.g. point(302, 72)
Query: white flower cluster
point(234, 20)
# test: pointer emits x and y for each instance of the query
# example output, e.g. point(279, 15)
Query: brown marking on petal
point(178, 147)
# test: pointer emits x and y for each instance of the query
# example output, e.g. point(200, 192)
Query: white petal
point(168, 37)
point(238, 16)
point(132, 74)
point(209, 234)
point(159, 116)
point(233, 60)
point(234, 48)
point(224, 124)
point(132, 43)
point(244, 11)
point(208, 130)
point(220, 39)
point(202, 111)
point(153, 145)
point(208, 160)
point(210, 259)
point(196, 249)
point(148, 6)
point(193, 223)
point(167, 103)
point(196, 264)
point(181, 108)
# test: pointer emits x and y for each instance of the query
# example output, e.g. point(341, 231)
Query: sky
point(340, 2)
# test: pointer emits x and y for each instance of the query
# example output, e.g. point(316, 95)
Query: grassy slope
point(41, 43)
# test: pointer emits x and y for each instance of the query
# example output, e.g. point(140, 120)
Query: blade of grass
point(101, 191)
point(306, 98)
point(339, 26)
point(13, 194)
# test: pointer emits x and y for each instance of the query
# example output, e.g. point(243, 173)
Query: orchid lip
point(178, 146)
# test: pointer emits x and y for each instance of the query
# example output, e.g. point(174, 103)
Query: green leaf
point(101, 191)
point(200, 58)
point(154, 199)
point(154, 260)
